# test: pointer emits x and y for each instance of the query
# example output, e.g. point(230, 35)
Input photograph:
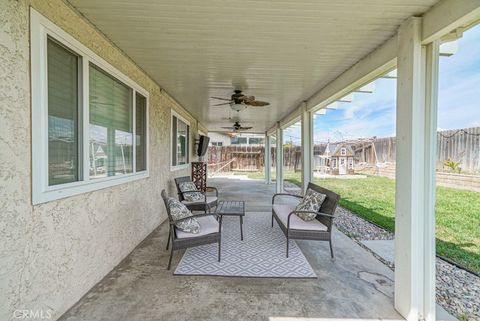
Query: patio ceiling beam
point(378, 62)
point(293, 117)
point(448, 15)
point(372, 66)
point(438, 21)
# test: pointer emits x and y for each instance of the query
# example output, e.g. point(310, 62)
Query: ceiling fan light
point(238, 107)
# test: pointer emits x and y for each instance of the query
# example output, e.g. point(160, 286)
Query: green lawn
point(457, 212)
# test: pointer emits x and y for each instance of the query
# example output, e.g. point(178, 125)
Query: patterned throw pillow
point(193, 196)
point(311, 202)
point(179, 211)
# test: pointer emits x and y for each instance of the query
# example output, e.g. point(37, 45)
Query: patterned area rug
point(260, 254)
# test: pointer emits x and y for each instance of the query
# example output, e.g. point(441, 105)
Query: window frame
point(40, 30)
point(175, 167)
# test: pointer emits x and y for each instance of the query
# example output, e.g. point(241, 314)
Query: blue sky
point(374, 114)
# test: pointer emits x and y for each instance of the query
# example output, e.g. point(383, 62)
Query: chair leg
point(241, 227)
point(331, 248)
point(287, 246)
point(272, 219)
point(170, 259)
point(219, 250)
point(169, 235)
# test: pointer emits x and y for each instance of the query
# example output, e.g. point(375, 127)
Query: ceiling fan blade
point(245, 128)
point(246, 99)
point(221, 104)
point(228, 128)
point(221, 98)
point(257, 103)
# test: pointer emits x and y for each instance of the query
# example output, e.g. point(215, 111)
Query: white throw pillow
point(193, 196)
point(311, 202)
point(179, 211)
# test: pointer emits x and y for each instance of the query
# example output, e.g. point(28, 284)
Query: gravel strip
point(358, 228)
point(458, 291)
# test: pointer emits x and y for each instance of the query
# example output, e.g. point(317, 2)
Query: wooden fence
point(252, 158)
point(461, 145)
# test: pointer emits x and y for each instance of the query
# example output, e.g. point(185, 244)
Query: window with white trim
point(180, 136)
point(90, 121)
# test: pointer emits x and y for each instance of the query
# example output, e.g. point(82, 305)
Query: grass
point(373, 198)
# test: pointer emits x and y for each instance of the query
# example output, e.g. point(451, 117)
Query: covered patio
point(354, 286)
point(105, 104)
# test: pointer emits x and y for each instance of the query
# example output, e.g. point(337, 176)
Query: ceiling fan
point(239, 101)
point(237, 127)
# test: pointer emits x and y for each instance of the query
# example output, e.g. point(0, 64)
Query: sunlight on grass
point(373, 198)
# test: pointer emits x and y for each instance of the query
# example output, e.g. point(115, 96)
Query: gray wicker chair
point(182, 240)
point(206, 205)
point(293, 227)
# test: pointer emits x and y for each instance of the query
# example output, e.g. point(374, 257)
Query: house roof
point(338, 148)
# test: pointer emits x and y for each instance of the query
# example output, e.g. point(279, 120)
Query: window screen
point(180, 142)
point(111, 135)
point(141, 132)
point(63, 114)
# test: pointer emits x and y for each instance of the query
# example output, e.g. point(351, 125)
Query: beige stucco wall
point(51, 254)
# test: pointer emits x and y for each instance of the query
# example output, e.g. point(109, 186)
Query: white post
point(415, 174)
point(432, 54)
point(268, 160)
point(307, 148)
point(279, 161)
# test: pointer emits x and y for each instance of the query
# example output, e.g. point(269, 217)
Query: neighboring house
point(219, 139)
point(342, 160)
point(242, 139)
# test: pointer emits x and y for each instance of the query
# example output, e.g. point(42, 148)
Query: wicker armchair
point(211, 231)
point(205, 206)
point(293, 227)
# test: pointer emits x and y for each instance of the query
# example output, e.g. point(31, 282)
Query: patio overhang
point(302, 57)
point(284, 53)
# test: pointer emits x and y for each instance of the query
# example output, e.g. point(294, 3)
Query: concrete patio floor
point(354, 285)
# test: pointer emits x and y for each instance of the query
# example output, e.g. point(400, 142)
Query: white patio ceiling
point(278, 51)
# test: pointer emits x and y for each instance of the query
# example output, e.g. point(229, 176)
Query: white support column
point(432, 53)
point(307, 148)
point(415, 174)
point(279, 160)
point(268, 160)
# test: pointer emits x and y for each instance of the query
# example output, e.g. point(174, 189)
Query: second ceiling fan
point(237, 127)
point(239, 101)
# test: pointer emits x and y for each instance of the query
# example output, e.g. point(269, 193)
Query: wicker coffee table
point(232, 208)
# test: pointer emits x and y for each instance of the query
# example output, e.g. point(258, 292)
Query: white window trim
point(40, 29)
point(173, 148)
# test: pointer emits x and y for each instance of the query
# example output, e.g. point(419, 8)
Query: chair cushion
point(312, 201)
point(296, 223)
point(208, 225)
point(210, 200)
point(179, 211)
point(193, 196)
